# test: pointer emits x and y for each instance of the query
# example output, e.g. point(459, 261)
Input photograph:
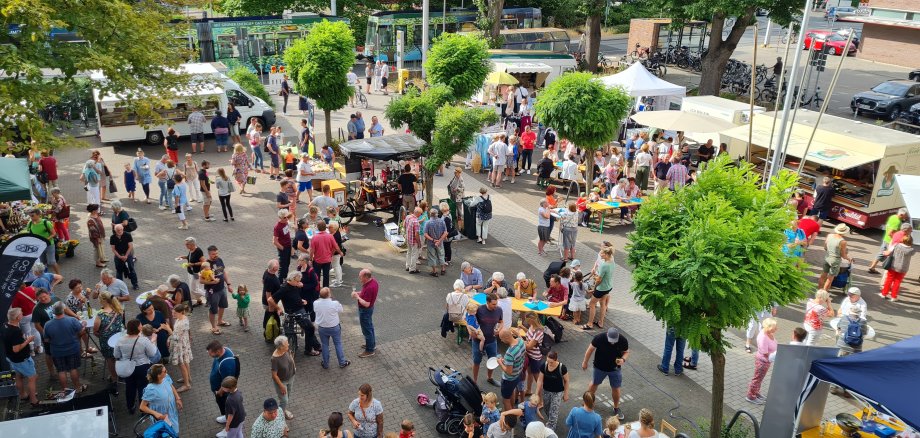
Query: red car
point(833, 40)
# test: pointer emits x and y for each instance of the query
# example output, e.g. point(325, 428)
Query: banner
point(19, 254)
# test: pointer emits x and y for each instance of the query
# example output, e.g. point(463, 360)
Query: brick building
point(891, 32)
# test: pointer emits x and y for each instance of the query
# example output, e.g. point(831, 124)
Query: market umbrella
point(500, 78)
point(15, 184)
point(681, 121)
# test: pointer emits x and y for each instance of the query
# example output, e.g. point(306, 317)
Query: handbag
point(132, 225)
point(250, 180)
point(112, 187)
point(888, 262)
point(125, 367)
point(221, 131)
point(65, 211)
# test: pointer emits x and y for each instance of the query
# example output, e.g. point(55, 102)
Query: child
point(472, 325)
point(289, 159)
point(582, 206)
point(148, 332)
point(408, 429)
point(610, 427)
point(531, 409)
point(130, 183)
point(577, 301)
point(206, 274)
point(291, 190)
point(490, 413)
point(242, 305)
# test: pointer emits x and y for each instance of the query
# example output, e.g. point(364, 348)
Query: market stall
point(862, 159)
point(884, 379)
point(638, 82)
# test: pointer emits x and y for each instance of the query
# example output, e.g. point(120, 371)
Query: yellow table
point(517, 305)
point(834, 431)
point(603, 207)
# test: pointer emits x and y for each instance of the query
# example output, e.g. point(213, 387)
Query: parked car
point(888, 99)
point(912, 116)
point(832, 39)
point(914, 75)
point(835, 13)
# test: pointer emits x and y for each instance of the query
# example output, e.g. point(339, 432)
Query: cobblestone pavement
point(410, 308)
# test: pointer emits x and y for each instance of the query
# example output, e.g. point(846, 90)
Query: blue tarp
point(888, 376)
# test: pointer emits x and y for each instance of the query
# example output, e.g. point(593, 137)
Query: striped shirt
point(514, 356)
point(677, 176)
point(196, 122)
point(535, 335)
point(412, 231)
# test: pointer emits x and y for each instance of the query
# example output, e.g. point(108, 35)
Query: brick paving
point(410, 307)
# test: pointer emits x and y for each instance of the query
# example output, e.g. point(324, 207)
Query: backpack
point(485, 206)
point(170, 182)
point(236, 373)
point(272, 330)
point(555, 328)
point(854, 334)
point(548, 341)
point(455, 317)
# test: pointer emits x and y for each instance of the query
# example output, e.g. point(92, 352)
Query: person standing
point(612, 350)
point(413, 241)
point(233, 119)
point(836, 251)
point(553, 387)
point(528, 142)
point(48, 165)
point(582, 421)
point(305, 175)
point(435, 235)
point(160, 398)
point(322, 249)
point(193, 261)
point(171, 144)
point(283, 371)
point(360, 126)
point(706, 152)
point(180, 199)
point(220, 126)
point(161, 172)
point(368, 76)
point(271, 423)
point(216, 291)
point(204, 188)
point(281, 239)
point(498, 151)
point(366, 414)
point(900, 254)
point(677, 174)
point(352, 127)
point(292, 302)
point(123, 248)
point(376, 129)
point(138, 349)
point(483, 215)
point(270, 284)
point(601, 294)
point(675, 345)
point(366, 300)
point(196, 130)
point(766, 346)
point(190, 169)
point(96, 234)
point(141, 165)
point(235, 412)
point(824, 196)
point(18, 352)
point(406, 182)
point(224, 364)
point(817, 310)
point(42, 227)
point(512, 364)
point(285, 93)
point(892, 225)
point(327, 312)
point(490, 319)
point(643, 167)
point(224, 189)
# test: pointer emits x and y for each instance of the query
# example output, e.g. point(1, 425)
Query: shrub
point(250, 83)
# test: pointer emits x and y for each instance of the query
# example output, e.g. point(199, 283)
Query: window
point(885, 13)
point(238, 99)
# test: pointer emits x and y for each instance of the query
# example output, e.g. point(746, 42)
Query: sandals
point(83, 388)
point(215, 331)
point(183, 388)
point(587, 327)
point(224, 324)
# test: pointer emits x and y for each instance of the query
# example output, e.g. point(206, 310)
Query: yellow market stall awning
point(823, 151)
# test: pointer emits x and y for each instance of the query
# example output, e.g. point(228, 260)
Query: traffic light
point(819, 57)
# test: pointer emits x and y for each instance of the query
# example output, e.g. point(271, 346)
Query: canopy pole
point(798, 103)
point(827, 99)
point(779, 85)
point(751, 95)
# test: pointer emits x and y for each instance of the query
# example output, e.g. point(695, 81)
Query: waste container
point(402, 77)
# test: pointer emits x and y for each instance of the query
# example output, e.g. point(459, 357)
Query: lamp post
point(425, 17)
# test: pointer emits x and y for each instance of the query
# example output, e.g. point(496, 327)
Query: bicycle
point(360, 98)
point(291, 328)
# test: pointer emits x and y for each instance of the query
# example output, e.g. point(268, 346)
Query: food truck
point(862, 159)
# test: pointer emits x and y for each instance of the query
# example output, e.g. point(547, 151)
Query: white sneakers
point(221, 434)
point(222, 419)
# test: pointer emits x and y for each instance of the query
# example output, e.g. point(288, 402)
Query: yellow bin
point(401, 78)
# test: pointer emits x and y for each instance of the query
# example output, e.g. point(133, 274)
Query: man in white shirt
point(498, 150)
point(854, 299)
point(305, 177)
point(569, 169)
point(353, 81)
point(327, 319)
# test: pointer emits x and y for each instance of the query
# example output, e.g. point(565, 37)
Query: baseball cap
point(613, 335)
point(146, 305)
point(854, 291)
point(270, 404)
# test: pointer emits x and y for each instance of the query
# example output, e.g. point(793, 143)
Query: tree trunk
point(429, 188)
point(718, 388)
point(589, 169)
point(328, 116)
point(720, 51)
point(495, 15)
point(593, 40)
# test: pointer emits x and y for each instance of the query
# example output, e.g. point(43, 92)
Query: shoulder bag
point(125, 367)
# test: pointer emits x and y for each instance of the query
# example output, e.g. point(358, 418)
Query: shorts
point(67, 363)
point(577, 305)
point(197, 137)
point(831, 270)
point(543, 233)
point(600, 293)
point(534, 365)
point(383, 81)
point(881, 251)
point(616, 378)
point(508, 387)
point(206, 198)
point(25, 368)
point(369, 79)
point(217, 300)
point(234, 129)
point(499, 168)
point(303, 186)
point(491, 350)
point(568, 237)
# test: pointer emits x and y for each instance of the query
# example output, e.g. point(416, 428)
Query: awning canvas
point(527, 67)
point(15, 182)
point(389, 147)
point(638, 82)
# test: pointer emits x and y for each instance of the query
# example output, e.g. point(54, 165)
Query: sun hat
point(842, 229)
point(854, 291)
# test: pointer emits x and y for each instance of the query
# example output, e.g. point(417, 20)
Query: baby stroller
point(457, 395)
point(842, 279)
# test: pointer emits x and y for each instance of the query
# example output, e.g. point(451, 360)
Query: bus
point(552, 39)
point(380, 41)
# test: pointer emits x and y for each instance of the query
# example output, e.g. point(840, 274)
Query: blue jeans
point(258, 162)
point(365, 317)
point(336, 334)
point(694, 357)
point(670, 340)
point(165, 198)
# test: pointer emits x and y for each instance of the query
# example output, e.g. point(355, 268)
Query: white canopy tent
point(638, 82)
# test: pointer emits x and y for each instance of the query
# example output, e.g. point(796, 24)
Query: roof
point(638, 82)
point(908, 24)
point(523, 67)
point(15, 184)
point(386, 148)
point(528, 54)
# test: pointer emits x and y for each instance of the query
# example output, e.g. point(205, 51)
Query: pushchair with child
point(457, 395)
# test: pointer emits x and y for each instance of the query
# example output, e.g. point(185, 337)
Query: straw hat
point(842, 229)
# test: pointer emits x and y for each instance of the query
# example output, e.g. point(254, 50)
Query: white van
point(118, 123)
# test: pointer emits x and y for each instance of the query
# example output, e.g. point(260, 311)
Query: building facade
point(891, 31)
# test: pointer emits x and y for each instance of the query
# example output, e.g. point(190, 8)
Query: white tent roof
point(638, 82)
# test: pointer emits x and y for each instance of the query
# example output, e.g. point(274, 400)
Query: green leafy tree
point(460, 62)
point(722, 39)
point(318, 64)
point(249, 82)
point(584, 111)
point(131, 43)
point(489, 21)
point(455, 129)
point(707, 257)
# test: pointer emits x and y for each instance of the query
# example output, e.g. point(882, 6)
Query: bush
point(250, 83)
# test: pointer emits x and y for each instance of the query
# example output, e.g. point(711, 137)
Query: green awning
point(15, 183)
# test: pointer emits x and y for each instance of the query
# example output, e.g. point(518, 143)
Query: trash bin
point(402, 77)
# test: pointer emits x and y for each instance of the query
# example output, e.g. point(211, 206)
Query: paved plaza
point(409, 309)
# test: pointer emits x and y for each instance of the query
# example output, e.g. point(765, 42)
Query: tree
point(132, 43)
point(584, 111)
point(721, 46)
point(594, 9)
point(707, 257)
point(490, 21)
point(250, 83)
point(455, 129)
point(318, 64)
point(460, 62)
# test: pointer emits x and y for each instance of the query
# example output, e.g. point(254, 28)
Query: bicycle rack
point(753, 421)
